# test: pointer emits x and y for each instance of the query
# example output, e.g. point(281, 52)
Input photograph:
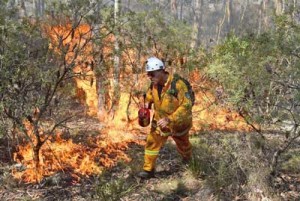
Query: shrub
point(112, 189)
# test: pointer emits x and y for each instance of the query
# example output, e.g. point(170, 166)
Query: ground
point(173, 180)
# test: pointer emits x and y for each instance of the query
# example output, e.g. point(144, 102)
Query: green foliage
point(233, 66)
point(260, 74)
point(74, 9)
point(201, 163)
point(24, 72)
point(228, 163)
point(32, 76)
point(2, 129)
point(113, 189)
point(292, 163)
point(155, 32)
point(230, 172)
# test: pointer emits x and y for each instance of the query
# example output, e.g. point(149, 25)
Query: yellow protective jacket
point(177, 109)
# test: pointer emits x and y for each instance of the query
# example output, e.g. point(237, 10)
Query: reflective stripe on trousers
point(155, 142)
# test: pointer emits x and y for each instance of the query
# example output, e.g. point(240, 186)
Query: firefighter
point(172, 115)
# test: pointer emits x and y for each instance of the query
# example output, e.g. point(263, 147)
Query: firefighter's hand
point(163, 122)
point(146, 105)
point(143, 105)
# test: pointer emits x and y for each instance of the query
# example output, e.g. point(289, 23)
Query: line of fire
point(119, 128)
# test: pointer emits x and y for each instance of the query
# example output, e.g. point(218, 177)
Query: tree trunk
point(36, 158)
point(116, 72)
point(101, 93)
point(200, 20)
point(265, 15)
point(294, 8)
point(36, 152)
point(243, 12)
point(174, 8)
point(22, 9)
point(279, 7)
point(196, 24)
point(35, 6)
point(228, 15)
point(221, 23)
point(42, 7)
point(260, 19)
point(181, 10)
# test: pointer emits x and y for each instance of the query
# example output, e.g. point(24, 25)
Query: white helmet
point(154, 64)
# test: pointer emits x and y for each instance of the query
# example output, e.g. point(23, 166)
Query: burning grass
point(79, 160)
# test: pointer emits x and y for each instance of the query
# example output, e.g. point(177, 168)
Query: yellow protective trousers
point(155, 142)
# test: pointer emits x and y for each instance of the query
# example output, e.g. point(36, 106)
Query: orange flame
point(209, 113)
point(79, 51)
point(65, 155)
point(58, 154)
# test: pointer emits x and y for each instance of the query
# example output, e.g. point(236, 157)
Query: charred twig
point(57, 125)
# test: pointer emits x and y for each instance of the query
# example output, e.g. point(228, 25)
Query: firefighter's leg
point(153, 145)
point(184, 146)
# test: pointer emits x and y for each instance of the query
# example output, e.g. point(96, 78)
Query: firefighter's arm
point(183, 112)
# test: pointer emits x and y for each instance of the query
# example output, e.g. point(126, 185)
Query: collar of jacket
point(168, 83)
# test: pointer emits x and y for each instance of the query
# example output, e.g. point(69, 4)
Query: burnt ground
point(173, 179)
point(172, 182)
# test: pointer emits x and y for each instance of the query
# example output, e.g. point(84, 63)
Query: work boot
point(146, 174)
point(186, 161)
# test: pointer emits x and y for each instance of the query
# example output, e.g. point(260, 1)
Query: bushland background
point(72, 77)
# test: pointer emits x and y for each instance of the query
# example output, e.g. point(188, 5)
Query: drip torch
point(144, 114)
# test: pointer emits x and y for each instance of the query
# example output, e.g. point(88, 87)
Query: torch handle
point(144, 95)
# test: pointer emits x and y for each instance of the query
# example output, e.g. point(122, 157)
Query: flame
point(78, 160)
point(58, 154)
point(209, 113)
point(83, 160)
point(96, 153)
point(77, 39)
